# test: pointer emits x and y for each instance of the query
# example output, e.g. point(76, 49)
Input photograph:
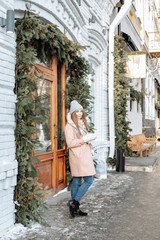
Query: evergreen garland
point(121, 95)
point(77, 84)
point(136, 95)
point(122, 2)
point(157, 106)
point(47, 42)
point(28, 192)
point(123, 92)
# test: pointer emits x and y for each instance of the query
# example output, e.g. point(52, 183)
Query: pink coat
point(80, 157)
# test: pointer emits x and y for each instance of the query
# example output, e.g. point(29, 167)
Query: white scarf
point(82, 127)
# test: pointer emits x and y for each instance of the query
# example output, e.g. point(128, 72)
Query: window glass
point(43, 94)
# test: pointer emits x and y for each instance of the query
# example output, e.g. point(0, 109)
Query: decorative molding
point(108, 8)
point(102, 11)
point(68, 13)
point(97, 45)
point(7, 4)
point(100, 3)
point(65, 12)
point(97, 38)
point(76, 11)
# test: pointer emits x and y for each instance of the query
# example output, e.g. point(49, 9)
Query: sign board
point(136, 66)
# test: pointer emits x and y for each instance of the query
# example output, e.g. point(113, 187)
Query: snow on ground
point(114, 181)
point(64, 190)
point(19, 230)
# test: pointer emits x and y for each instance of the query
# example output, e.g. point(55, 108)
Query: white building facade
point(139, 29)
point(8, 163)
point(86, 22)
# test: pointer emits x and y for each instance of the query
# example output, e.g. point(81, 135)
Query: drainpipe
point(121, 14)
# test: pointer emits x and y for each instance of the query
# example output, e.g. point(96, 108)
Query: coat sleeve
point(71, 141)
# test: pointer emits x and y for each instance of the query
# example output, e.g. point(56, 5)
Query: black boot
point(77, 210)
point(72, 209)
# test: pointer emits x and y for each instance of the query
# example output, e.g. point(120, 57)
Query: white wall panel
point(8, 164)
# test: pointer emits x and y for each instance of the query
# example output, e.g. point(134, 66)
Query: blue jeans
point(78, 190)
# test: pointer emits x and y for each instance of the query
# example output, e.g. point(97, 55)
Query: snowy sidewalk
point(99, 202)
point(125, 206)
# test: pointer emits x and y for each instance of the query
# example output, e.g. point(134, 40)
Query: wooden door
point(51, 170)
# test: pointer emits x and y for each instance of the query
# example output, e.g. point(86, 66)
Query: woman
point(80, 157)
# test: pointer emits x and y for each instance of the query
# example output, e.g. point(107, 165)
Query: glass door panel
point(43, 92)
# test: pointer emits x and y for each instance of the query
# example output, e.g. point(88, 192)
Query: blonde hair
point(75, 120)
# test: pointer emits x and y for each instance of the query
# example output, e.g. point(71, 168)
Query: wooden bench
point(139, 143)
point(158, 134)
point(147, 141)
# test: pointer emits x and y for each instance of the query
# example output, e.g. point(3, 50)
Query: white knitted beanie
point(75, 106)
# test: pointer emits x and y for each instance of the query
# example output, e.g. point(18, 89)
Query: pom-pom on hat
point(75, 106)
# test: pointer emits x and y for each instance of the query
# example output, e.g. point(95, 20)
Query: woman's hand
point(89, 137)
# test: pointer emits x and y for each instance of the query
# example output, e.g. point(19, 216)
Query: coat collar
point(69, 120)
point(82, 128)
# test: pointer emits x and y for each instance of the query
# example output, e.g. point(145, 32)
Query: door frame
point(56, 157)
